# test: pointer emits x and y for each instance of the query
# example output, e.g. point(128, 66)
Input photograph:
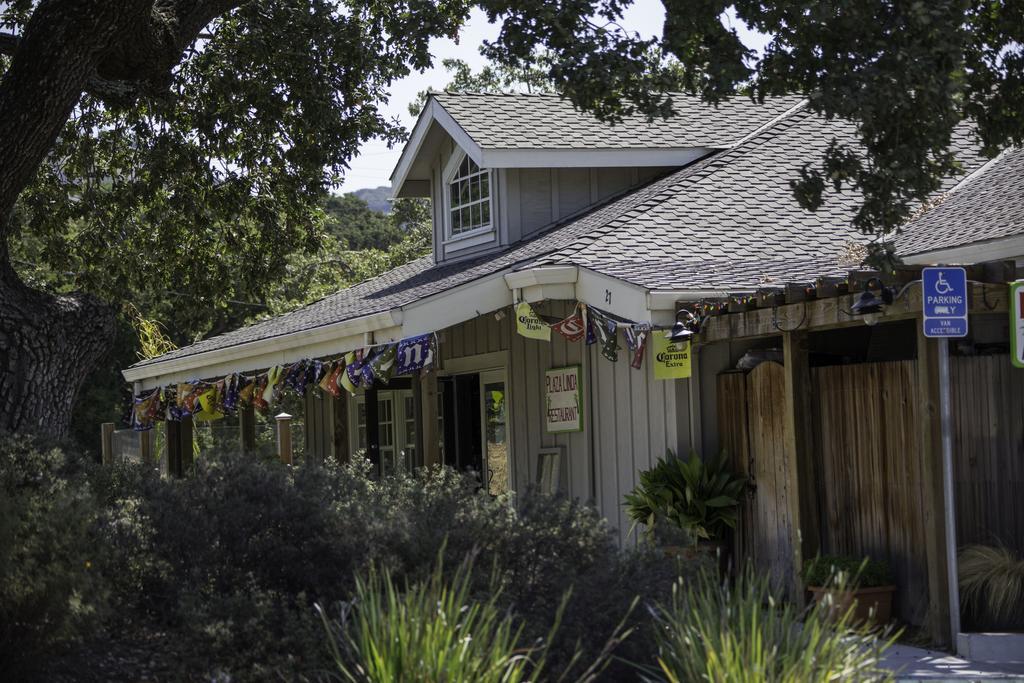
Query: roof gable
point(507, 130)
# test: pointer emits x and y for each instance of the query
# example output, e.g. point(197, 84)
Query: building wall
point(527, 200)
point(630, 418)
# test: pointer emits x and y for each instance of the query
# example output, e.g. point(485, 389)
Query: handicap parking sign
point(944, 298)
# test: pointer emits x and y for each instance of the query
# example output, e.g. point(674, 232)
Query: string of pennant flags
point(590, 324)
point(204, 400)
point(213, 400)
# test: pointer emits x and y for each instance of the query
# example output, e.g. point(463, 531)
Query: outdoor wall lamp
point(869, 305)
point(684, 329)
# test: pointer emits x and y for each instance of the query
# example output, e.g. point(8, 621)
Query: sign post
point(944, 297)
point(1017, 323)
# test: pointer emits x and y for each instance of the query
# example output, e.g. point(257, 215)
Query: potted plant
point(686, 505)
point(866, 585)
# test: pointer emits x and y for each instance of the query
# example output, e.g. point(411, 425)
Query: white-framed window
point(396, 428)
point(468, 204)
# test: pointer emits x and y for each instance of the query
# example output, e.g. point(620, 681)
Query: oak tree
point(186, 143)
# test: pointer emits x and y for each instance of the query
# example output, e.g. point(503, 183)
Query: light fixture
point(869, 305)
point(682, 330)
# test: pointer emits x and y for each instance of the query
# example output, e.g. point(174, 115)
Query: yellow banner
point(529, 325)
point(671, 359)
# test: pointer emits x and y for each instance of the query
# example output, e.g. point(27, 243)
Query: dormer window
point(468, 199)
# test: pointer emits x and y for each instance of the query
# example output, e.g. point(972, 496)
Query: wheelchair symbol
point(941, 286)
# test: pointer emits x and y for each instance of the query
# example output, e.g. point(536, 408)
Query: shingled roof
point(986, 206)
point(726, 222)
point(547, 121)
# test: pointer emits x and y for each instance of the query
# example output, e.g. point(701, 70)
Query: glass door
point(494, 415)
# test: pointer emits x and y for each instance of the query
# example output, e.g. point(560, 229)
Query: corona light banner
point(671, 359)
point(529, 325)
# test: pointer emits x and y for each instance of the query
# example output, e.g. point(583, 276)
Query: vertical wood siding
point(871, 479)
point(870, 469)
point(988, 447)
point(630, 419)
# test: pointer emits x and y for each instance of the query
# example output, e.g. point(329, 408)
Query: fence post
point(146, 446)
point(798, 438)
point(107, 442)
point(284, 437)
point(247, 428)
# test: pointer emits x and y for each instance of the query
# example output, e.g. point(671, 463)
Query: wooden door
point(766, 531)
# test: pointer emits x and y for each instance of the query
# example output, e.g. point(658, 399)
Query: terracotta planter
point(870, 604)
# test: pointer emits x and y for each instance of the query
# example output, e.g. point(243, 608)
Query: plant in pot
point(686, 506)
point(846, 582)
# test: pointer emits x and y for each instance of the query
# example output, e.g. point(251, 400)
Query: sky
point(375, 162)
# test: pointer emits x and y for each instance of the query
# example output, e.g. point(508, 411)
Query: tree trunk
point(48, 346)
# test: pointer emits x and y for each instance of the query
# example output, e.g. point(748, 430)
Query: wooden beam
point(146, 446)
point(373, 430)
point(187, 454)
point(247, 429)
point(107, 443)
point(428, 419)
point(417, 406)
point(799, 436)
point(341, 435)
point(834, 312)
point(930, 429)
point(173, 442)
point(284, 438)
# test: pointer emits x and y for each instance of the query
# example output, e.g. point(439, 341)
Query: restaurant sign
point(563, 393)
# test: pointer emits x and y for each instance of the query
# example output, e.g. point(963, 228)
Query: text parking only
point(945, 302)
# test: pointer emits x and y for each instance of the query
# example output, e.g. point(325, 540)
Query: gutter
point(346, 328)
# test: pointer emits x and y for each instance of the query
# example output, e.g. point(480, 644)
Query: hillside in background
point(377, 198)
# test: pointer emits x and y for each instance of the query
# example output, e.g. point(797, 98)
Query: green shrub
point(858, 572)
point(233, 557)
point(51, 593)
point(992, 587)
point(433, 631)
point(700, 498)
point(713, 632)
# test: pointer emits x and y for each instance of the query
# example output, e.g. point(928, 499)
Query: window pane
point(485, 213)
point(485, 185)
point(466, 219)
point(474, 189)
point(463, 192)
point(471, 167)
point(456, 224)
point(453, 192)
point(476, 216)
point(464, 166)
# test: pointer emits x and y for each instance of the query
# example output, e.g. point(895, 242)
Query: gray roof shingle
point(989, 205)
point(726, 222)
point(546, 121)
point(733, 223)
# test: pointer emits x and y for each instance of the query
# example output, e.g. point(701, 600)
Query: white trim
point(543, 275)
point(1003, 248)
point(476, 236)
point(355, 327)
point(432, 111)
point(659, 300)
point(495, 360)
point(591, 158)
point(473, 237)
point(456, 305)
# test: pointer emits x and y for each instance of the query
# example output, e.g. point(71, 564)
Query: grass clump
point(713, 632)
point(992, 586)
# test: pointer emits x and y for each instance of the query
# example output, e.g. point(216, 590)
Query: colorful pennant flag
point(588, 324)
point(573, 328)
point(414, 354)
point(636, 340)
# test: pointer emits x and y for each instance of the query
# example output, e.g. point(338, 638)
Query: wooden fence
point(869, 470)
